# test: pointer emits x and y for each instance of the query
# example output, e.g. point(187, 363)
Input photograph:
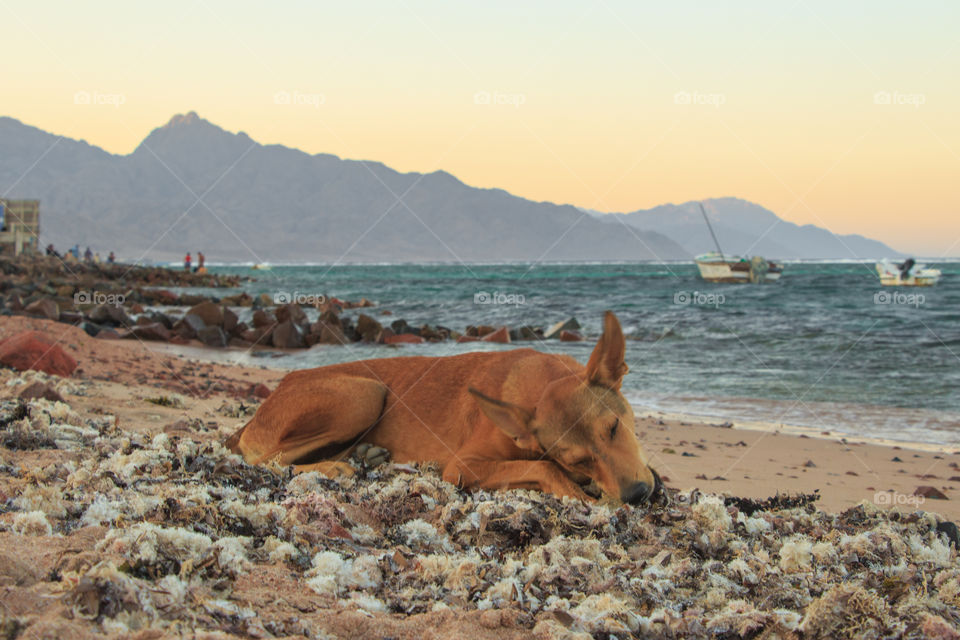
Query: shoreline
point(227, 357)
point(800, 431)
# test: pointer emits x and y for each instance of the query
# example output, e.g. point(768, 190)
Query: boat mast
point(712, 234)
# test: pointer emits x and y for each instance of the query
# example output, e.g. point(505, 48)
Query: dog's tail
point(233, 442)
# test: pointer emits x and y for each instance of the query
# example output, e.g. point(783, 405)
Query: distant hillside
point(746, 228)
point(191, 185)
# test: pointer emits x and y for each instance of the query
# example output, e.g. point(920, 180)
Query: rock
point(91, 329)
point(192, 299)
point(287, 335)
point(291, 312)
point(401, 326)
point(809, 464)
point(252, 335)
point(951, 531)
point(44, 308)
point(40, 390)
point(211, 313)
point(108, 333)
point(65, 291)
point(136, 307)
point(501, 336)
point(259, 390)
point(162, 318)
point(71, 317)
point(189, 326)
point(434, 334)
point(485, 330)
point(110, 314)
point(164, 297)
point(403, 338)
point(212, 337)
point(570, 336)
point(230, 320)
point(570, 324)
point(34, 350)
point(152, 331)
point(525, 333)
point(467, 338)
point(263, 300)
point(327, 331)
point(261, 318)
point(368, 328)
point(930, 492)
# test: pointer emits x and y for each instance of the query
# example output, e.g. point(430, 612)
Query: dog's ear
point(512, 419)
point(607, 366)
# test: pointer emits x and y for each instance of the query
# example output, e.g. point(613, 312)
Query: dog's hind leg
point(311, 418)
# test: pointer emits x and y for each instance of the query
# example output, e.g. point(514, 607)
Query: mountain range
point(190, 185)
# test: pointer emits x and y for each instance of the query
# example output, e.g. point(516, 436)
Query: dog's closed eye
point(613, 429)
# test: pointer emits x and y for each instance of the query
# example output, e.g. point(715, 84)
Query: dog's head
point(584, 424)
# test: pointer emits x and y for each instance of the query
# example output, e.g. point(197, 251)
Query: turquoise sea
point(826, 348)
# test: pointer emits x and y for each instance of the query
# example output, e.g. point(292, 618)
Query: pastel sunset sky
point(840, 114)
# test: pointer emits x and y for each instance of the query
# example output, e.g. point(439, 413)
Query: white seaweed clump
point(232, 554)
point(31, 523)
point(421, 535)
point(332, 574)
point(101, 511)
point(796, 554)
point(149, 544)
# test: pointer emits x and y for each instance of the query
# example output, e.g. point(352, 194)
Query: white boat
point(263, 266)
point(907, 274)
point(716, 267)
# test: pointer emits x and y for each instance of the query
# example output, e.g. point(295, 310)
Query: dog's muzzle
point(641, 491)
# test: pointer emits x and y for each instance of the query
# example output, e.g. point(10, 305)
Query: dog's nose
point(636, 493)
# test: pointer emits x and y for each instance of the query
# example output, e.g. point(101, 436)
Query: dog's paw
point(329, 468)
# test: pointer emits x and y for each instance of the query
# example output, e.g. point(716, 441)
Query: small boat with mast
point(717, 267)
point(907, 274)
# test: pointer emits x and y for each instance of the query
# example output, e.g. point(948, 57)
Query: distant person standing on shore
point(201, 260)
point(186, 262)
point(88, 255)
point(111, 259)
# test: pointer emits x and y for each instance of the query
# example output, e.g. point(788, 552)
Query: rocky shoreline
point(135, 302)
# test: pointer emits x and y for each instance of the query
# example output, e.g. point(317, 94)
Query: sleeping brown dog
point(502, 420)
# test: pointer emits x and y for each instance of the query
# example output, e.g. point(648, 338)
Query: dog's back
point(419, 408)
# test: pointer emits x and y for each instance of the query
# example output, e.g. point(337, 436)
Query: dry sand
point(118, 378)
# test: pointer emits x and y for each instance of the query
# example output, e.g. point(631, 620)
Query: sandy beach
point(97, 492)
